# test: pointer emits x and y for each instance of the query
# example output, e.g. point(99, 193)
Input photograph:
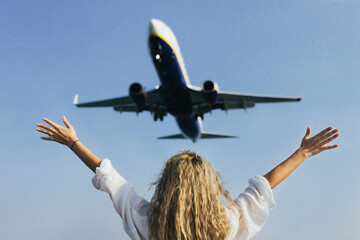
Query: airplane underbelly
point(173, 85)
point(166, 64)
point(178, 102)
point(189, 126)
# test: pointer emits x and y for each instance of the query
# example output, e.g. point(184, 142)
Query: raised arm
point(310, 146)
point(67, 136)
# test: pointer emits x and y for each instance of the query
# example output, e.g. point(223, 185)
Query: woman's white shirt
point(255, 203)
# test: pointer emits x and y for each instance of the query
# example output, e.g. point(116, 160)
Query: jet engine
point(138, 94)
point(210, 90)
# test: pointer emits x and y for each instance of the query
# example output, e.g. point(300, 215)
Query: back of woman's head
point(187, 201)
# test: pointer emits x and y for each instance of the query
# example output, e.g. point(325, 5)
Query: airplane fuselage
point(174, 81)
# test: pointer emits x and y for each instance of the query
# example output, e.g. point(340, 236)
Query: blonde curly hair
point(187, 201)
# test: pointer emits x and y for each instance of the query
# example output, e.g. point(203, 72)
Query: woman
point(187, 199)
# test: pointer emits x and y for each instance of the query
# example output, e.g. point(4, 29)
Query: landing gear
point(158, 116)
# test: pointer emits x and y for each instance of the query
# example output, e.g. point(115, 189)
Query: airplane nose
point(153, 21)
point(157, 26)
point(153, 24)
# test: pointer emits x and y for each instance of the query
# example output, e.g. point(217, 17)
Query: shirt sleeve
point(255, 203)
point(131, 207)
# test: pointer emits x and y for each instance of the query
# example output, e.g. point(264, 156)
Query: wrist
point(302, 152)
point(70, 140)
point(72, 143)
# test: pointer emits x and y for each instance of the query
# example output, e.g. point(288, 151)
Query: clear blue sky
point(51, 50)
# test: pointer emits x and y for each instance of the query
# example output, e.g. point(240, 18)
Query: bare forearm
point(67, 136)
point(284, 169)
point(89, 158)
point(310, 146)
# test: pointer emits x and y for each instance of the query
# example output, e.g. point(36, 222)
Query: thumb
point(308, 132)
point(66, 122)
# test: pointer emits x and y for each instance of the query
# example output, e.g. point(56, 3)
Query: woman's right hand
point(64, 135)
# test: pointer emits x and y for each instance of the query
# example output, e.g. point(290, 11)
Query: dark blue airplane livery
point(176, 95)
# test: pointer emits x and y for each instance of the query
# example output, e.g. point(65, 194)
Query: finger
point(329, 134)
point(320, 134)
point(330, 147)
point(45, 127)
point(66, 122)
point(308, 132)
point(329, 139)
point(51, 123)
point(48, 139)
point(45, 132)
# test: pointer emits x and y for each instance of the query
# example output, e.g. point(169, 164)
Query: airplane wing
point(153, 103)
point(229, 100)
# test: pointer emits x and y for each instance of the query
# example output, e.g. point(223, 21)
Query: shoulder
point(252, 207)
point(107, 178)
point(258, 192)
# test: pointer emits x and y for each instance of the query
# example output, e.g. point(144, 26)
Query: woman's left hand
point(311, 146)
point(64, 135)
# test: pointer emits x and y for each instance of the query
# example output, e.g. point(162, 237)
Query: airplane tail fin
point(204, 135)
point(76, 99)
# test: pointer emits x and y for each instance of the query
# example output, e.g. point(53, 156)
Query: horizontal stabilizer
point(215, 135)
point(203, 135)
point(175, 136)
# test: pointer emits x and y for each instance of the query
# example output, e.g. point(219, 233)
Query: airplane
point(175, 95)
